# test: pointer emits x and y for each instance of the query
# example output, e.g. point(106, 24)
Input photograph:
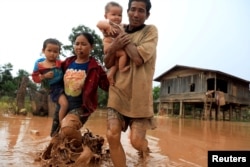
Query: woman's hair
point(51, 41)
point(147, 2)
point(111, 4)
point(87, 35)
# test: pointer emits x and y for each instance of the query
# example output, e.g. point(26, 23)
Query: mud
point(175, 142)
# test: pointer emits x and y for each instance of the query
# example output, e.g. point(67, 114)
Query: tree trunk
point(21, 92)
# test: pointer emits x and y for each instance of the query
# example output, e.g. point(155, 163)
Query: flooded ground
point(175, 143)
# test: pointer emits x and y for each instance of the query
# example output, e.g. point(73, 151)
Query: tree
point(20, 75)
point(7, 85)
point(156, 95)
point(21, 93)
point(156, 92)
point(102, 98)
point(97, 52)
point(24, 84)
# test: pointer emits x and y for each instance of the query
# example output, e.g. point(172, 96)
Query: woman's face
point(82, 47)
point(137, 14)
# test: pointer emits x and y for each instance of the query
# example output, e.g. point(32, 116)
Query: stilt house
point(203, 93)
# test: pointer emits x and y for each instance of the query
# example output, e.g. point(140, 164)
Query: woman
point(82, 77)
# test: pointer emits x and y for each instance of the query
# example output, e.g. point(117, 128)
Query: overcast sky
point(211, 34)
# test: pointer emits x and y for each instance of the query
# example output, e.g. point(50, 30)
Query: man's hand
point(113, 32)
point(120, 41)
point(114, 29)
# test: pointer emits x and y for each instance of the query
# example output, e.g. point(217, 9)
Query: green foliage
point(9, 84)
point(8, 87)
point(97, 52)
point(8, 105)
point(156, 92)
point(102, 98)
point(5, 71)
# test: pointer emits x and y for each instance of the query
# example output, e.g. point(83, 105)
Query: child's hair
point(147, 2)
point(86, 35)
point(111, 4)
point(51, 41)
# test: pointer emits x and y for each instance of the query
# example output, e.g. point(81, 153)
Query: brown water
point(175, 143)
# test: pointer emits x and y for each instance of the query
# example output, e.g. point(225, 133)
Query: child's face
point(114, 14)
point(51, 52)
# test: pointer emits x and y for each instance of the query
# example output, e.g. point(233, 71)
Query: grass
point(8, 104)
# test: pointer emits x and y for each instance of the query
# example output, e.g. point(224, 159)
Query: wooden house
point(202, 93)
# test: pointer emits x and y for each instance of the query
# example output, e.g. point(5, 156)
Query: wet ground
point(175, 143)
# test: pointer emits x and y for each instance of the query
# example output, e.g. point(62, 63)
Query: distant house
point(202, 93)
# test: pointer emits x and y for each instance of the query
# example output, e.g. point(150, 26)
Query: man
point(130, 102)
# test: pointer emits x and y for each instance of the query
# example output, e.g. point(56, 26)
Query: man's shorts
point(143, 123)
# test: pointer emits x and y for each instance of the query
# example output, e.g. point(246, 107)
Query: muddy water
point(176, 142)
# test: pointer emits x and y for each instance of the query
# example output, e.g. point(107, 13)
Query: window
point(192, 87)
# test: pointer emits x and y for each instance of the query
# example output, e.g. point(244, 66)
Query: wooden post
point(240, 113)
point(217, 111)
point(230, 112)
point(171, 105)
point(181, 109)
point(20, 98)
point(224, 115)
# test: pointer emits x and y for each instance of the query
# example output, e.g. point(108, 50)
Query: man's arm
point(109, 57)
point(132, 52)
point(119, 43)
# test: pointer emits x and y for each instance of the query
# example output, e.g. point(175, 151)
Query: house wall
point(183, 88)
point(178, 82)
point(178, 85)
point(237, 90)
